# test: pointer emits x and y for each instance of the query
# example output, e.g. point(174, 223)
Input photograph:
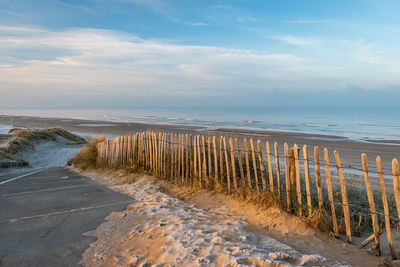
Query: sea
point(355, 123)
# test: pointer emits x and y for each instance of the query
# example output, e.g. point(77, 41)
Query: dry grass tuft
point(23, 139)
point(88, 155)
point(318, 221)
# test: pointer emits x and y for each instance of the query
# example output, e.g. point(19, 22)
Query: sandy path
point(161, 229)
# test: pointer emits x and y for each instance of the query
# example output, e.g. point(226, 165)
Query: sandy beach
point(349, 150)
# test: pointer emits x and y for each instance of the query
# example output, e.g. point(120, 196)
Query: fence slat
point(262, 171)
point(254, 165)
point(270, 174)
point(318, 178)
point(209, 158)
point(246, 155)
point(278, 178)
point(199, 157)
point(214, 141)
point(345, 203)
point(228, 179)
point(330, 192)
point(371, 202)
point(233, 165)
point(385, 206)
point(239, 155)
point(298, 182)
point(221, 160)
point(195, 155)
point(204, 166)
point(307, 178)
point(396, 184)
point(287, 175)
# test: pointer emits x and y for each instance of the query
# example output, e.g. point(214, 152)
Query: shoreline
point(349, 150)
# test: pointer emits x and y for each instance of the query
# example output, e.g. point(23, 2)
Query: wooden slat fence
point(242, 166)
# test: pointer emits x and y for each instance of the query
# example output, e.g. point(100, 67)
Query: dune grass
point(88, 155)
point(25, 139)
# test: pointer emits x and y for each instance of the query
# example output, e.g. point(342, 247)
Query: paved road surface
point(44, 214)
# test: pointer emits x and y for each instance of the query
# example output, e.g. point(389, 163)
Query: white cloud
point(296, 40)
point(39, 63)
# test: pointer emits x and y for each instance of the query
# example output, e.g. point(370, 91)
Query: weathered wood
point(396, 184)
point(371, 202)
point(165, 154)
point(246, 155)
point(187, 147)
point(307, 178)
point(254, 164)
point(298, 182)
point(209, 158)
point(292, 175)
point(278, 178)
point(204, 166)
point(182, 151)
point(221, 159)
point(262, 170)
point(179, 148)
point(287, 175)
point(239, 155)
point(345, 203)
point(318, 178)
point(385, 206)
point(214, 141)
point(171, 155)
point(270, 173)
point(233, 164)
point(195, 155)
point(369, 239)
point(330, 192)
point(228, 179)
point(199, 156)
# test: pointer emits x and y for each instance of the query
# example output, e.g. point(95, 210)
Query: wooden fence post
point(195, 155)
point(209, 158)
point(204, 168)
point(318, 177)
point(187, 159)
point(214, 141)
point(199, 157)
point(287, 175)
point(254, 164)
point(307, 177)
point(239, 154)
point(298, 182)
point(330, 193)
point(371, 203)
point(228, 179)
point(246, 155)
point(278, 178)
point(292, 175)
point(385, 206)
point(345, 203)
point(396, 184)
point(221, 159)
point(270, 173)
point(233, 165)
point(260, 158)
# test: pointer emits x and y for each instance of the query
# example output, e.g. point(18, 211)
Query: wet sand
point(349, 150)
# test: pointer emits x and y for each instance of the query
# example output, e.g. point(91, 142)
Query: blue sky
point(157, 52)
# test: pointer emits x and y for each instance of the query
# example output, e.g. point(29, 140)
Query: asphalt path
point(44, 213)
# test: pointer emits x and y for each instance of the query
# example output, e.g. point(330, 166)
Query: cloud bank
point(105, 65)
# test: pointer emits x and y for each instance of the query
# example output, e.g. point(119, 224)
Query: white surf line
point(65, 211)
point(43, 190)
point(21, 176)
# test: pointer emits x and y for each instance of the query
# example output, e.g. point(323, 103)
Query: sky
point(122, 53)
